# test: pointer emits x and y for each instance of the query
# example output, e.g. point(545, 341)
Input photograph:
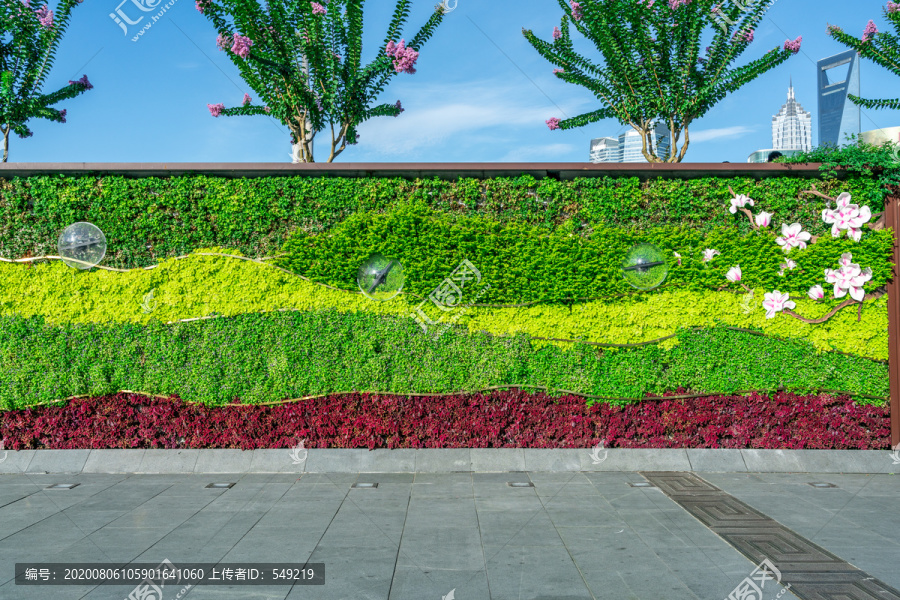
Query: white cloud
point(722, 133)
point(460, 112)
point(539, 153)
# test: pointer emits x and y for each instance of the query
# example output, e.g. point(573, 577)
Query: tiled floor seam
point(810, 570)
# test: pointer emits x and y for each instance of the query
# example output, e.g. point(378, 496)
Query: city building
point(627, 148)
point(605, 149)
point(792, 126)
point(761, 156)
point(791, 130)
point(837, 77)
point(879, 136)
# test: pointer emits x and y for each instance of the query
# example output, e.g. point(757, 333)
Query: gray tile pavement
point(574, 535)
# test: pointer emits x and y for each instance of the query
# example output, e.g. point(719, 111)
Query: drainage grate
point(220, 486)
point(363, 484)
point(519, 484)
point(643, 484)
point(811, 571)
point(62, 486)
point(821, 484)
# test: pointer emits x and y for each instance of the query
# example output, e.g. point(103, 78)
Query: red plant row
point(502, 419)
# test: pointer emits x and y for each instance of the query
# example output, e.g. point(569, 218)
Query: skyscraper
point(628, 146)
point(838, 117)
point(792, 126)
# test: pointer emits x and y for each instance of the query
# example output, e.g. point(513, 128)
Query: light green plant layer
point(205, 285)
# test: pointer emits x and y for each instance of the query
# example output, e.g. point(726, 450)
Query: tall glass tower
point(627, 148)
point(838, 76)
point(792, 126)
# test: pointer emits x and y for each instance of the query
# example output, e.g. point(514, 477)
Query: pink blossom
point(216, 109)
point(816, 292)
point(793, 46)
point(318, 9)
point(201, 5)
point(893, 7)
point(777, 302)
point(555, 71)
point(404, 58)
point(223, 41)
point(793, 237)
point(247, 99)
point(763, 219)
point(241, 45)
point(576, 10)
point(45, 16)
point(398, 107)
point(267, 109)
point(673, 4)
point(556, 33)
point(734, 274)
point(62, 114)
point(552, 123)
point(739, 201)
point(83, 81)
point(747, 36)
point(869, 31)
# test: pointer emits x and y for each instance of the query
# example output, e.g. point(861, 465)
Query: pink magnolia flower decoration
point(552, 123)
point(793, 46)
point(739, 202)
point(848, 217)
point(816, 292)
point(734, 274)
point(678, 256)
point(216, 109)
point(763, 219)
point(848, 278)
point(789, 265)
point(794, 237)
point(777, 302)
point(709, 253)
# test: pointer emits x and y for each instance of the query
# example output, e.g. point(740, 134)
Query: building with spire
point(838, 77)
point(791, 130)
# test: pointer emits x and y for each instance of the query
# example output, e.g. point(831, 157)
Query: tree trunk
point(6, 131)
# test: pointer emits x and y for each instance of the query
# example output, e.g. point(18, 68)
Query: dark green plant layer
point(525, 263)
point(275, 356)
point(856, 158)
point(149, 218)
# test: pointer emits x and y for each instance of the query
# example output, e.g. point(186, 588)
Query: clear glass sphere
point(380, 278)
point(83, 242)
point(645, 266)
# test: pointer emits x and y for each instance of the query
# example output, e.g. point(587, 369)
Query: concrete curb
point(482, 460)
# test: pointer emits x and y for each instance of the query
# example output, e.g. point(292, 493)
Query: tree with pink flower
point(879, 47)
point(303, 61)
point(29, 37)
point(652, 71)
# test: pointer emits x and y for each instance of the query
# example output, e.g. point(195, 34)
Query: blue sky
point(481, 93)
